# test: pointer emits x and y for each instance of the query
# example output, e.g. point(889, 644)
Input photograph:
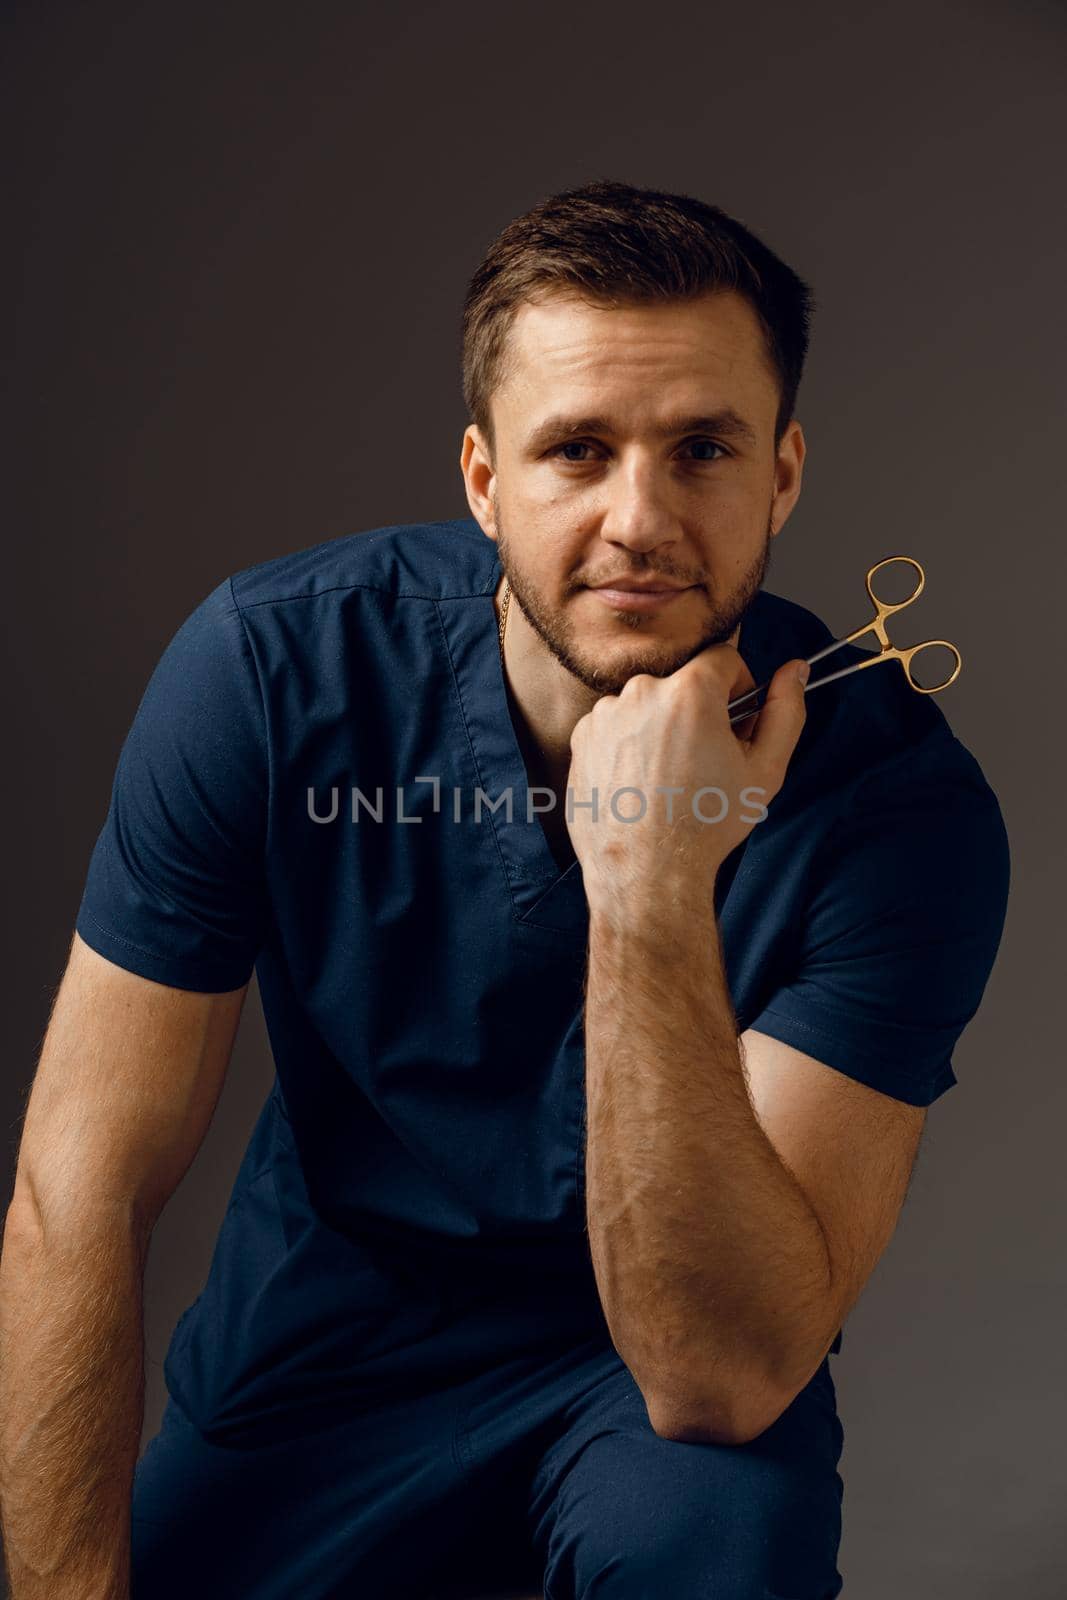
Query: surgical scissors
point(887, 651)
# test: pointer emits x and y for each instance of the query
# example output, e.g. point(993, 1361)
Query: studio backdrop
point(237, 242)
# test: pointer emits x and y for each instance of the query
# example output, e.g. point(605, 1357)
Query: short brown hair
point(614, 243)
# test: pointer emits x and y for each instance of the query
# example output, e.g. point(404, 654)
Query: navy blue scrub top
point(418, 1165)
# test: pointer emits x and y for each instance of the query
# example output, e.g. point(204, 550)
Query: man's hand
point(674, 734)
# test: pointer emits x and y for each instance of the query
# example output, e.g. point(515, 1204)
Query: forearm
point(71, 1402)
point(711, 1265)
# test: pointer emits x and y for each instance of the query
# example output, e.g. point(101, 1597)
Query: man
point(605, 1030)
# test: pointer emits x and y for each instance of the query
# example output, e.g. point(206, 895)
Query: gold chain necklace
point(504, 615)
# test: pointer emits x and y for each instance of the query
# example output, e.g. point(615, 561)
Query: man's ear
point(788, 473)
point(479, 479)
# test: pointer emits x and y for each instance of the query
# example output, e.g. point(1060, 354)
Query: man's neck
point(546, 701)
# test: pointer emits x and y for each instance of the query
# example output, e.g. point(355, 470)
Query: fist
point(662, 788)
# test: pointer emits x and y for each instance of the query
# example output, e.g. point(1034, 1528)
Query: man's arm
point(738, 1198)
point(129, 1077)
point(732, 1230)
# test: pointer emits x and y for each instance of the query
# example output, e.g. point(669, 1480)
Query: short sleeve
point(901, 928)
point(176, 883)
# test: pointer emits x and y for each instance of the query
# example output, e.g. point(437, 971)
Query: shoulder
point(422, 561)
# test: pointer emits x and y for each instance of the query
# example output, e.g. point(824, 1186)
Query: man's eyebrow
point(726, 423)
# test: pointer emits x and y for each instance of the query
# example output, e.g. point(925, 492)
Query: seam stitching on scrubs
point(142, 950)
point(269, 748)
point(370, 588)
point(943, 1079)
point(470, 747)
point(460, 1452)
point(552, 927)
point(833, 1014)
point(444, 527)
point(579, 1176)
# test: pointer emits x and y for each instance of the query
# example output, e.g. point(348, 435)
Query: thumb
point(782, 715)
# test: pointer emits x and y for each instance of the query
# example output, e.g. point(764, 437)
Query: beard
point(655, 656)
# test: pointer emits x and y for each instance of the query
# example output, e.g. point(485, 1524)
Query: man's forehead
point(710, 351)
point(551, 324)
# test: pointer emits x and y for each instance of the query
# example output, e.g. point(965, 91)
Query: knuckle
point(723, 658)
point(638, 683)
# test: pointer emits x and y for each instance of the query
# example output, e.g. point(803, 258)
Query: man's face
point(627, 484)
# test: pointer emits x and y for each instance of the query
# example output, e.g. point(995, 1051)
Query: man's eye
point(711, 443)
point(584, 444)
point(570, 444)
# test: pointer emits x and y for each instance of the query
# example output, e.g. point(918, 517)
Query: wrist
point(655, 914)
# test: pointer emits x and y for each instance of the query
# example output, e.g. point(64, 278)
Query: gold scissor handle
point(741, 706)
point(886, 608)
point(905, 657)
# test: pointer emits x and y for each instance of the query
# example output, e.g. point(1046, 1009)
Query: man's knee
point(761, 1533)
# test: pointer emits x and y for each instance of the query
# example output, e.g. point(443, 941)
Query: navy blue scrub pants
point(541, 1467)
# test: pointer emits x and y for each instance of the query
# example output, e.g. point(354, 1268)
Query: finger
point(722, 663)
point(727, 678)
point(782, 716)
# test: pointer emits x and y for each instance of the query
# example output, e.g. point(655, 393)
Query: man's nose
point(638, 512)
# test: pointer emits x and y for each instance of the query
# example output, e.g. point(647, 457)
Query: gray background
point(240, 239)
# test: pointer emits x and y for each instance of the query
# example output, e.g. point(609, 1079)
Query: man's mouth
point(642, 586)
point(626, 594)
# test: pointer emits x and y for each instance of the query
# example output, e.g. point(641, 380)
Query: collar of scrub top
point(744, 705)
